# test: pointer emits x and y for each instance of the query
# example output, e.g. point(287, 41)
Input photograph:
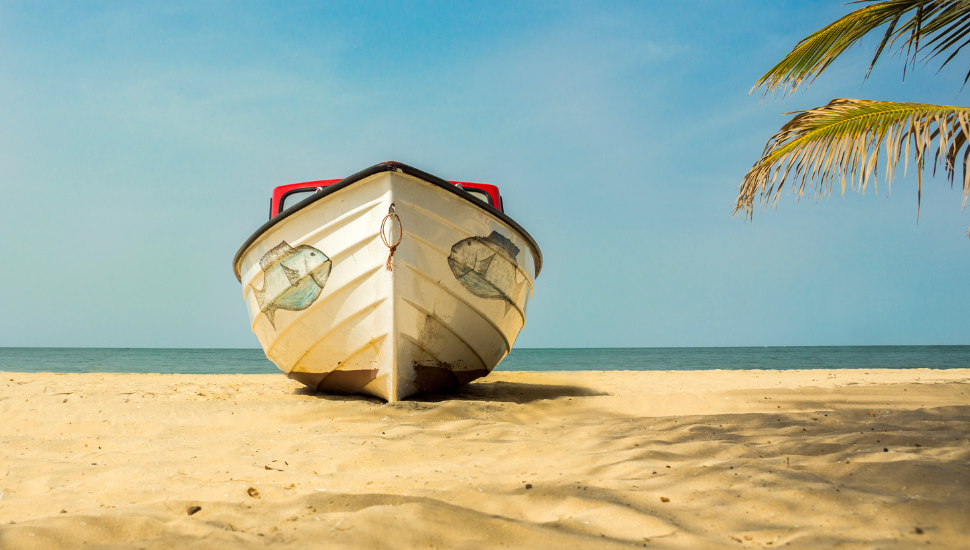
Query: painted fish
point(293, 278)
point(486, 266)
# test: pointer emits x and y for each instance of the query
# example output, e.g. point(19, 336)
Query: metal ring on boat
point(386, 238)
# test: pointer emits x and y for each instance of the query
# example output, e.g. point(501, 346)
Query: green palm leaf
point(842, 140)
point(933, 27)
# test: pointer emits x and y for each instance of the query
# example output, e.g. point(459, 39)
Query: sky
point(140, 142)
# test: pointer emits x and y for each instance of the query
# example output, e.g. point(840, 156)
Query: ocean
point(252, 361)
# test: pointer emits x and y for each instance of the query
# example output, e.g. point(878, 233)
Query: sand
point(714, 459)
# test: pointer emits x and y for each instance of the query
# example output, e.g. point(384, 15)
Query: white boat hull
point(447, 312)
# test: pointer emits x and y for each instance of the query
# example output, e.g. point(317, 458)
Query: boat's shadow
point(510, 392)
point(503, 392)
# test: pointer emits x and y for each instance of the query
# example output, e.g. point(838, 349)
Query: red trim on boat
point(389, 166)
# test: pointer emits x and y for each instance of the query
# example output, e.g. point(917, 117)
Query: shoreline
point(750, 458)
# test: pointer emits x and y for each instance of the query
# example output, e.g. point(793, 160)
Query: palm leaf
point(841, 141)
point(934, 27)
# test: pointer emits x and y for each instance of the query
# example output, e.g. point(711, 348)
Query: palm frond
point(841, 142)
point(934, 27)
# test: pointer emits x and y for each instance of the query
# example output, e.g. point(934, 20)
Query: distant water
point(768, 358)
point(163, 360)
point(252, 361)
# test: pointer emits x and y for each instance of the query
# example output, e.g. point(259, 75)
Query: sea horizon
point(253, 361)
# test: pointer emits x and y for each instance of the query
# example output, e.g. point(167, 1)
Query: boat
point(388, 283)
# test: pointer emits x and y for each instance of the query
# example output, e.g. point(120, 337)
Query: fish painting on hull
point(293, 279)
point(486, 266)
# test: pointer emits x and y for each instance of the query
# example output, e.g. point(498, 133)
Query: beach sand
point(707, 459)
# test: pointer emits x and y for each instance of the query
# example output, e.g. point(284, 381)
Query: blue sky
point(140, 143)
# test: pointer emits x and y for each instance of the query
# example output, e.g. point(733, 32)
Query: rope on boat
point(387, 237)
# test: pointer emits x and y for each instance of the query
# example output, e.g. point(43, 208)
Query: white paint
point(369, 318)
